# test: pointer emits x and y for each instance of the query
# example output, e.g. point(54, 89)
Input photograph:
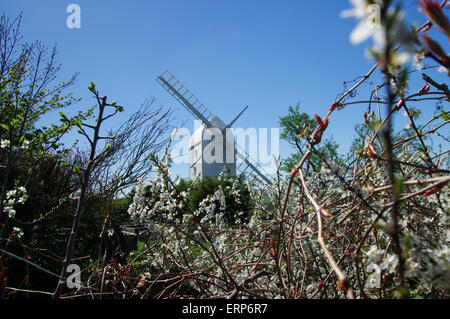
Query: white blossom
point(366, 28)
point(18, 232)
point(10, 211)
point(375, 254)
point(4, 143)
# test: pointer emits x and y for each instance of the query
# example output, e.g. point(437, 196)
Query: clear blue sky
point(264, 54)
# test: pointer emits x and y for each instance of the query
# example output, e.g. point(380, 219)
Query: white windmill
point(212, 147)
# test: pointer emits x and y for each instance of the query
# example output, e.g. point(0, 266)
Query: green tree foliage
point(296, 127)
point(33, 157)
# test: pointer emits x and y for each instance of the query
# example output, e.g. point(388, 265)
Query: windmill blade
point(185, 97)
point(235, 119)
point(251, 164)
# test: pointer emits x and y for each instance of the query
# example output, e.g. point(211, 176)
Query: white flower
point(358, 11)
point(418, 58)
point(408, 125)
point(369, 26)
point(18, 232)
point(174, 133)
point(310, 289)
point(444, 253)
point(4, 143)
point(10, 211)
point(374, 253)
point(390, 262)
point(373, 281)
point(25, 144)
point(400, 58)
point(412, 267)
point(11, 193)
point(442, 69)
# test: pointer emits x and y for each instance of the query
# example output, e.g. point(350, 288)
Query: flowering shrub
point(277, 254)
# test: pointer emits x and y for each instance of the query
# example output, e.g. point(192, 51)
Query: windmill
point(213, 140)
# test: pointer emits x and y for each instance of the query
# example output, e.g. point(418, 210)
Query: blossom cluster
point(6, 144)
point(14, 197)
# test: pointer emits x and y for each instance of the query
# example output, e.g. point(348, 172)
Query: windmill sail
point(185, 98)
point(249, 163)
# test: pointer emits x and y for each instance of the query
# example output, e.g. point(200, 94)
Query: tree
point(127, 157)
point(103, 114)
point(27, 93)
point(46, 185)
point(296, 128)
point(30, 154)
point(27, 72)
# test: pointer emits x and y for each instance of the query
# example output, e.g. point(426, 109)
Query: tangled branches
point(374, 227)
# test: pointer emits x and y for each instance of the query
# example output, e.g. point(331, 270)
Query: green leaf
point(444, 116)
point(91, 87)
point(5, 127)
point(63, 117)
point(76, 169)
point(407, 242)
point(64, 162)
point(398, 185)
